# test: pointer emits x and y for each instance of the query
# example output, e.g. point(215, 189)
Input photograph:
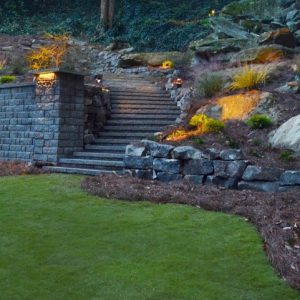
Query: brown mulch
point(276, 216)
point(18, 168)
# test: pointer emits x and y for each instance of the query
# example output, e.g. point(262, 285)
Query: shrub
point(214, 126)
point(249, 77)
point(259, 121)
point(18, 66)
point(288, 155)
point(198, 141)
point(205, 124)
point(198, 120)
point(209, 85)
point(7, 79)
point(51, 55)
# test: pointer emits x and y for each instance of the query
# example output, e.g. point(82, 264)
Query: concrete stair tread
point(133, 122)
point(79, 171)
point(92, 162)
point(144, 106)
point(113, 141)
point(123, 134)
point(102, 155)
point(133, 128)
point(144, 116)
point(103, 148)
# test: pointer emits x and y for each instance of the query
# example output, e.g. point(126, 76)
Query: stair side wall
point(42, 122)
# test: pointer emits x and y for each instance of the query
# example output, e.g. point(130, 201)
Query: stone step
point(140, 96)
point(115, 141)
point(92, 162)
point(79, 171)
point(104, 148)
point(155, 102)
point(121, 134)
point(133, 122)
point(135, 128)
point(122, 116)
point(142, 111)
point(144, 106)
point(102, 155)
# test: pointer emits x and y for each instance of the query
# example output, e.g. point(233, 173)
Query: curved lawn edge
point(276, 216)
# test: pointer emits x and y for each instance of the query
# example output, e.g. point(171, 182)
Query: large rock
point(254, 173)
point(260, 186)
point(153, 59)
point(210, 46)
point(194, 179)
point(262, 54)
point(134, 162)
point(281, 36)
point(227, 183)
point(198, 167)
point(290, 178)
point(287, 136)
point(186, 152)
point(167, 177)
point(232, 154)
point(157, 149)
point(227, 169)
point(226, 27)
point(142, 174)
point(167, 165)
point(133, 150)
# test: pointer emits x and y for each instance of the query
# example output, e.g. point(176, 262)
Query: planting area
point(57, 242)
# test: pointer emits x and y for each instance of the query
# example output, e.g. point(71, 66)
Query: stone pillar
point(60, 129)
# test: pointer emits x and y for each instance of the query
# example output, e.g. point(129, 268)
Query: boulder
point(227, 183)
point(287, 136)
point(157, 149)
point(232, 154)
point(198, 167)
point(167, 165)
point(167, 177)
point(134, 162)
point(132, 150)
point(154, 59)
point(228, 28)
point(194, 179)
point(254, 173)
point(210, 46)
point(260, 186)
point(142, 174)
point(262, 54)
point(289, 178)
point(186, 153)
point(211, 153)
point(227, 169)
point(281, 36)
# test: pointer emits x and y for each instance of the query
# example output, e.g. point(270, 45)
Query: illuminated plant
point(249, 77)
point(51, 55)
point(7, 79)
point(198, 120)
point(168, 64)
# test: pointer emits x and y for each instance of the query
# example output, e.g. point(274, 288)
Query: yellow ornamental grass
point(249, 77)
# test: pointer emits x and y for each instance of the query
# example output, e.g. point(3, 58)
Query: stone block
point(290, 178)
point(261, 186)
point(232, 154)
point(158, 150)
point(254, 173)
point(133, 150)
point(198, 167)
point(168, 177)
point(194, 179)
point(186, 153)
point(142, 174)
point(227, 183)
point(167, 165)
point(134, 162)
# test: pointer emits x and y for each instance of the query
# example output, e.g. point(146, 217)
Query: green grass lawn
point(58, 243)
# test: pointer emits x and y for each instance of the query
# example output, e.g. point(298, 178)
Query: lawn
point(57, 242)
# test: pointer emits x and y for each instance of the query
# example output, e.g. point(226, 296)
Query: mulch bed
point(18, 168)
point(276, 216)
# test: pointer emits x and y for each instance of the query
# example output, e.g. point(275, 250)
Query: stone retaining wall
point(227, 168)
point(42, 122)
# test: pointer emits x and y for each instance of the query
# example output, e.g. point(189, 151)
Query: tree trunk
point(104, 12)
point(111, 13)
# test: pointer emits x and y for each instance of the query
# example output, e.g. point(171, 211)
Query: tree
point(107, 12)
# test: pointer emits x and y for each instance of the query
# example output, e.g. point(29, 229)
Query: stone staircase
point(139, 109)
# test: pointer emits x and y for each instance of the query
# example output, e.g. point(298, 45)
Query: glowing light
point(177, 82)
point(46, 76)
point(46, 80)
point(212, 13)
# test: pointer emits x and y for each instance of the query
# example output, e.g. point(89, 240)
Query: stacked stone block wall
point(227, 168)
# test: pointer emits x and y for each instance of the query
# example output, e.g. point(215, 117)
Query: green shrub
point(287, 155)
point(7, 79)
point(209, 85)
point(259, 121)
point(197, 141)
point(198, 120)
point(213, 125)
